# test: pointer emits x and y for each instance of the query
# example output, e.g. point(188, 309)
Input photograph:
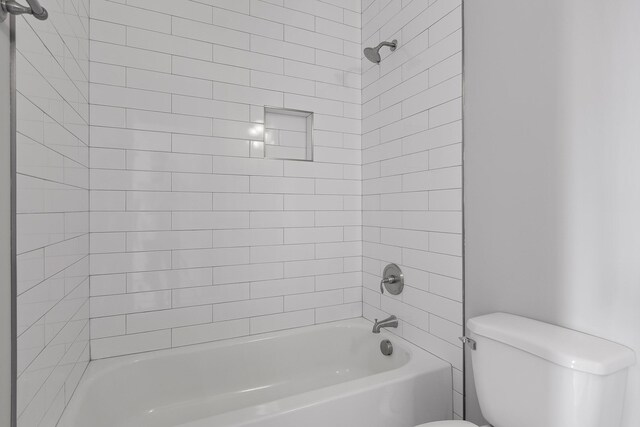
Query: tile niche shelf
point(288, 134)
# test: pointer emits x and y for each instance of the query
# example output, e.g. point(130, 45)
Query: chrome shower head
point(373, 53)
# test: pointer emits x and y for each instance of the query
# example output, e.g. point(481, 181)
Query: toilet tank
point(532, 374)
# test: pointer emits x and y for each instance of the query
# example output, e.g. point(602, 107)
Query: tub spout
point(390, 322)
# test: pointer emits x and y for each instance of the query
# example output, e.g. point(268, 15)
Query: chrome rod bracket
point(15, 8)
point(471, 343)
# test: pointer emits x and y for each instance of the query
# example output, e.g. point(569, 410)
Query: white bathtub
point(331, 375)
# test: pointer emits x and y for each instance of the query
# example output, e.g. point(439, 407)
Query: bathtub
point(331, 375)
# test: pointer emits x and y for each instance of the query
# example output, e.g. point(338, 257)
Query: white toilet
point(532, 374)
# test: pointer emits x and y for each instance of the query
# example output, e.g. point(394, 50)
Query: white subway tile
point(168, 83)
point(312, 300)
point(107, 242)
point(280, 83)
point(248, 237)
point(338, 312)
point(191, 258)
point(276, 185)
point(247, 273)
point(312, 202)
point(313, 268)
point(445, 200)
point(167, 201)
point(282, 49)
point(445, 113)
point(248, 24)
point(150, 40)
point(281, 219)
point(168, 240)
point(316, 8)
point(130, 303)
point(168, 279)
point(130, 16)
point(282, 253)
point(336, 29)
point(168, 162)
point(313, 235)
point(130, 57)
point(446, 287)
point(109, 284)
point(247, 95)
point(209, 183)
point(272, 288)
point(247, 166)
point(129, 221)
point(164, 122)
point(107, 74)
point(129, 139)
point(246, 59)
point(209, 220)
point(208, 145)
point(194, 11)
point(276, 322)
point(129, 262)
point(102, 327)
point(241, 6)
point(108, 32)
point(210, 71)
point(313, 39)
point(341, 249)
point(248, 308)
point(130, 344)
point(166, 319)
point(210, 33)
point(209, 295)
point(250, 202)
point(103, 179)
point(210, 332)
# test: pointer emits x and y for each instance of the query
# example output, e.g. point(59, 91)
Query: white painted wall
point(552, 176)
point(412, 172)
point(194, 236)
point(5, 229)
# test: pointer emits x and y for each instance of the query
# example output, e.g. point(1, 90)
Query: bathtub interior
point(170, 387)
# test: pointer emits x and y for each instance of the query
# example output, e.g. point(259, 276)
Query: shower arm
point(392, 45)
point(15, 8)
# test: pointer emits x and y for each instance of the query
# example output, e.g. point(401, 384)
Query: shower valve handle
point(387, 280)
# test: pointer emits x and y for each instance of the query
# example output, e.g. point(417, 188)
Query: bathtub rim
point(428, 363)
point(109, 364)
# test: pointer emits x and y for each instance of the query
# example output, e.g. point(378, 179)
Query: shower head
point(373, 53)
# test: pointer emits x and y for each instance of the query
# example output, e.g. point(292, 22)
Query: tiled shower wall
point(194, 237)
point(52, 67)
point(412, 174)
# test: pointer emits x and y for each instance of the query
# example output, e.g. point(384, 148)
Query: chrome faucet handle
point(387, 280)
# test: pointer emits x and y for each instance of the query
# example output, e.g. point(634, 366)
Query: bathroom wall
point(552, 227)
point(194, 236)
point(52, 209)
point(412, 174)
point(6, 344)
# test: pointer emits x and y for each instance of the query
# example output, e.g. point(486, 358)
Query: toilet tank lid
point(565, 347)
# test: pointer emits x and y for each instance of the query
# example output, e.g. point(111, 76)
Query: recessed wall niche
point(288, 134)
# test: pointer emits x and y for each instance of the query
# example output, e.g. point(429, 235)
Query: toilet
point(531, 374)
